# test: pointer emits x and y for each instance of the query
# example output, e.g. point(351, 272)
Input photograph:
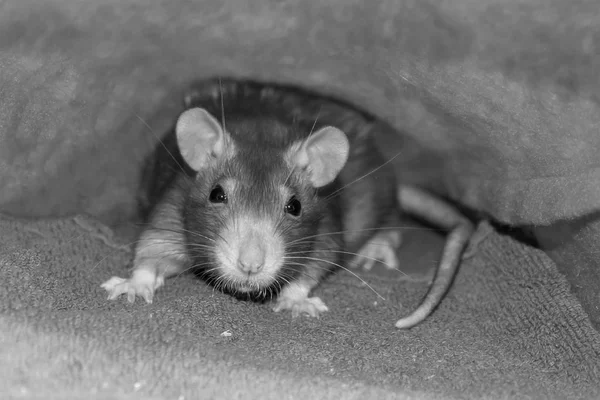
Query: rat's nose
point(250, 267)
point(251, 259)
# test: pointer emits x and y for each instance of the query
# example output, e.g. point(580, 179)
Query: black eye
point(293, 207)
point(217, 195)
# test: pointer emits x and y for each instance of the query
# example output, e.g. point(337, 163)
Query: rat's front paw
point(142, 283)
point(381, 247)
point(312, 306)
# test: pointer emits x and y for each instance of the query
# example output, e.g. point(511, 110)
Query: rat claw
point(160, 280)
point(113, 295)
point(368, 264)
point(131, 295)
point(312, 306)
point(114, 287)
point(312, 311)
point(148, 296)
point(143, 283)
point(390, 259)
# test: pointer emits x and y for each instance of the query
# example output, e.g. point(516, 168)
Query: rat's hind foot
point(142, 283)
point(313, 306)
point(383, 247)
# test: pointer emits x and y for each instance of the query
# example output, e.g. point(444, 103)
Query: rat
point(263, 190)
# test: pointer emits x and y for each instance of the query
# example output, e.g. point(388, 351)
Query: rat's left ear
point(200, 138)
point(323, 154)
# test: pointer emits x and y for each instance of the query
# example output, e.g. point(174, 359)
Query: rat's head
point(251, 210)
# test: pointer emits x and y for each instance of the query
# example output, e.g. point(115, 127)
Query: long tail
point(441, 214)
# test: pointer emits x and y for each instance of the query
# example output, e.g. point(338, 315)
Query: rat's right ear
point(199, 137)
point(322, 155)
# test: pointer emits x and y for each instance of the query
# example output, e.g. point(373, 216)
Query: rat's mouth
point(233, 282)
point(251, 290)
point(245, 287)
point(250, 284)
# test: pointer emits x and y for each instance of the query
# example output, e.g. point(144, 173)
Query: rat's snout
point(249, 253)
point(251, 258)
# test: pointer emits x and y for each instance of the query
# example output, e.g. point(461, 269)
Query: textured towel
point(508, 328)
point(499, 97)
point(503, 93)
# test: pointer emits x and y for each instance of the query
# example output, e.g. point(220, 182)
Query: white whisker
point(344, 268)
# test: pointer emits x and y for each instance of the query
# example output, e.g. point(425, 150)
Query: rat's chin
point(249, 289)
point(250, 285)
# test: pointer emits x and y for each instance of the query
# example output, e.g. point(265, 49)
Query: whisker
point(316, 119)
point(132, 268)
point(416, 228)
point(306, 274)
point(221, 237)
point(222, 105)
point(358, 255)
point(194, 266)
point(342, 267)
point(132, 243)
point(309, 135)
point(170, 241)
point(159, 140)
point(109, 254)
point(364, 176)
point(179, 231)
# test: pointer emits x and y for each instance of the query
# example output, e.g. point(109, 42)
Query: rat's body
point(245, 191)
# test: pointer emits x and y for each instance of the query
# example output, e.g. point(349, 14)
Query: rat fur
point(262, 190)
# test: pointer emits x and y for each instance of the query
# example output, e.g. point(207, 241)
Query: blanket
point(502, 93)
point(509, 328)
point(491, 103)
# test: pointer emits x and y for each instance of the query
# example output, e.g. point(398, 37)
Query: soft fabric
point(493, 103)
point(504, 93)
point(575, 248)
point(508, 328)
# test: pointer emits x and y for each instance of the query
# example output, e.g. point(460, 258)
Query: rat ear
point(199, 137)
point(323, 154)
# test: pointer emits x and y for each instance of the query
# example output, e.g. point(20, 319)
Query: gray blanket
point(503, 94)
point(493, 103)
point(509, 328)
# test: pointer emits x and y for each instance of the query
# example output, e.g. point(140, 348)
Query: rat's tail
point(441, 214)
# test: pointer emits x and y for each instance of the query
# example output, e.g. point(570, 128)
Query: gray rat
point(263, 190)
